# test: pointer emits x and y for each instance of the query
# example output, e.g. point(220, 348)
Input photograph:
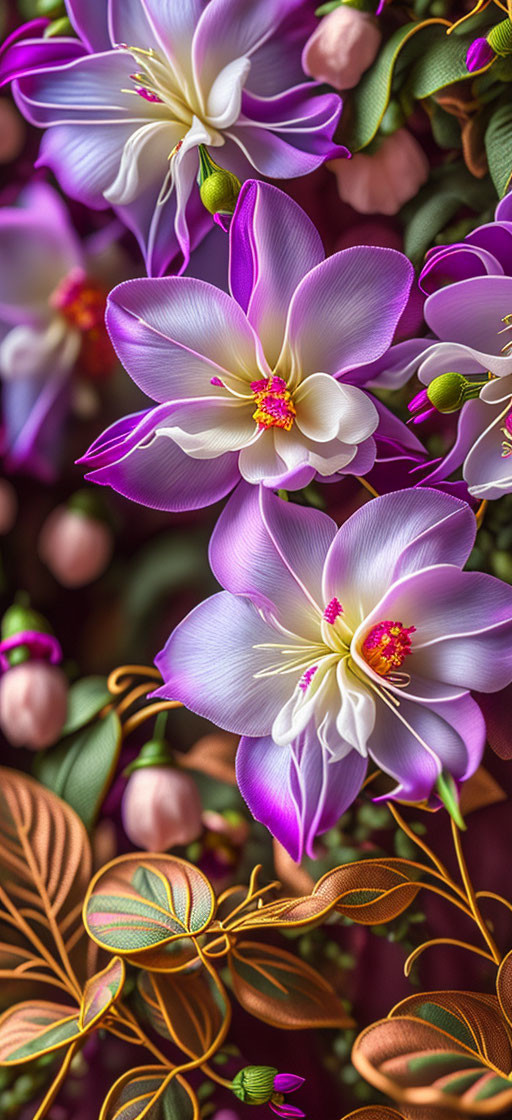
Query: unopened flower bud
point(33, 704)
point(8, 506)
point(219, 189)
point(382, 182)
point(161, 807)
point(75, 544)
point(450, 391)
point(342, 47)
point(226, 1114)
point(479, 54)
point(254, 1084)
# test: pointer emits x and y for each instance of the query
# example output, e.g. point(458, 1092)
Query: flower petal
point(84, 158)
point(488, 467)
point(90, 23)
point(273, 244)
point(211, 662)
point(238, 28)
point(207, 428)
point(471, 312)
point(328, 409)
point(390, 537)
point(345, 311)
point(273, 551)
point(174, 334)
point(38, 247)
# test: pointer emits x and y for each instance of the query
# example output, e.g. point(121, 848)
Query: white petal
point(327, 409)
point(225, 96)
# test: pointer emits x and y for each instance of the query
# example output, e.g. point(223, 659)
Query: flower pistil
point(275, 407)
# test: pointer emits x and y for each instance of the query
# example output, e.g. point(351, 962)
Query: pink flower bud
point(33, 704)
point(161, 808)
point(381, 183)
point(226, 1114)
point(8, 506)
point(342, 47)
point(76, 548)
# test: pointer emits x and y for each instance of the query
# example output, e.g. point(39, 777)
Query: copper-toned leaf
point(504, 987)
point(141, 906)
point(101, 992)
point(369, 891)
point(214, 755)
point(440, 1049)
point(374, 1112)
point(45, 865)
point(152, 1093)
point(187, 1008)
point(282, 990)
point(480, 791)
point(34, 1028)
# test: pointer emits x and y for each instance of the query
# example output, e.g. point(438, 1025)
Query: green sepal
point(21, 617)
point(254, 1084)
point(447, 790)
point(156, 752)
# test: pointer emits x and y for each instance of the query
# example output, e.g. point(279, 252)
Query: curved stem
point(56, 1083)
point(443, 871)
point(148, 713)
point(367, 485)
point(480, 513)
point(471, 896)
point(127, 1017)
point(496, 897)
point(443, 941)
point(133, 695)
point(115, 683)
point(448, 897)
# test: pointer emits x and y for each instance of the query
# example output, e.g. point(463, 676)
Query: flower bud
point(450, 391)
point(342, 47)
point(479, 54)
point(161, 808)
point(8, 499)
point(226, 1114)
point(254, 1084)
point(219, 189)
point(382, 182)
point(33, 704)
point(75, 546)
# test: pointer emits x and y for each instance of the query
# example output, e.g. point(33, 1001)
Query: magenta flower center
point(387, 645)
point(80, 301)
point(274, 404)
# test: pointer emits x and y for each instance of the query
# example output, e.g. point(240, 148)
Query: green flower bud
point(219, 189)
point(254, 1084)
point(499, 38)
point(450, 391)
point(16, 619)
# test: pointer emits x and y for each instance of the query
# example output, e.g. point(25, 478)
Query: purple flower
point(328, 647)
point(264, 1085)
point(51, 317)
point(486, 251)
point(127, 107)
point(258, 384)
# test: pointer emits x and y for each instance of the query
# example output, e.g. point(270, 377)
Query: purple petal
point(273, 245)
point(211, 662)
point(287, 1082)
point(394, 368)
point(391, 537)
point(84, 159)
point(38, 247)
point(416, 744)
point(238, 28)
point(473, 418)
point(90, 22)
point(273, 551)
point(175, 334)
point(34, 411)
point(488, 466)
point(471, 312)
point(494, 238)
point(21, 55)
point(457, 262)
point(149, 468)
point(296, 792)
point(285, 1110)
point(332, 323)
point(84, 91)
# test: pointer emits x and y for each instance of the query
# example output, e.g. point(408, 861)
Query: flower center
point(80, 301)
point(274, 404)
point(387, 645)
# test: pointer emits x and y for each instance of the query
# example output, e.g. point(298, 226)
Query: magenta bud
point(33, 704)
point(479, 54)
point(161, 808)
point(75, 547)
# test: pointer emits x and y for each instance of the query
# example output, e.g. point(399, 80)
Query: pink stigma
point(147, 93)
point(332, 611)
point(307, 677)
point(216, 381)
point(387, 645)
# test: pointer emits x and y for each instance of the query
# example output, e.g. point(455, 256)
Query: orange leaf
point(185, 1008)
point(34, 1028)
point(151, 1092)
point(479, 791)
point(101, 991)
point(282, 990)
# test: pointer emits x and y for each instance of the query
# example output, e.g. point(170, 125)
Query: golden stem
point(496, 897)
point(471, 896)
point(133, 695)
point(115, 683)
point(147, 713)
point(56, 1083)
point(443, 871)
point(443, 941)
point(368, 486)
point(480, 513)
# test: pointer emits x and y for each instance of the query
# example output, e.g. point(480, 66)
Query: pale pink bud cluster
point(76, 548)
point(381, 183)
point(33, 704)
point(161, 808)
point(342, 47)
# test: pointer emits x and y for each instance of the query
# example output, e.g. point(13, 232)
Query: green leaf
point(86, 698)
point(283, 990)
point(101, 991)
point(34, 1028)
point(442, 61)
point(140, 906)
point(446, 1021)
point(151, 1092)
point(80, 768)
point(449, 187)
point(498, 146)
point(373, 92)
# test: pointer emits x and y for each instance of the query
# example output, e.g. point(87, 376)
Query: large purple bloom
point(259, 384)
point(470, 311)
point(127, 107)
point(52, 305)
point(328, 647)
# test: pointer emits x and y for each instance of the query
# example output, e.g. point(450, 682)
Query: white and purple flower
point(263, 385)
point(329, 647)
point(127, 106)
point(53, 292)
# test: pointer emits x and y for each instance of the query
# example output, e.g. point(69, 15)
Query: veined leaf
point(375, 1112)
point(86, 698)
point(34, 1028)
point(187, 1008)
point(498, 146)
point(441, 62)
point(80, 768)
point(101, 991)
point(139, 906)
point(282, 990)
point(150, 1093)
